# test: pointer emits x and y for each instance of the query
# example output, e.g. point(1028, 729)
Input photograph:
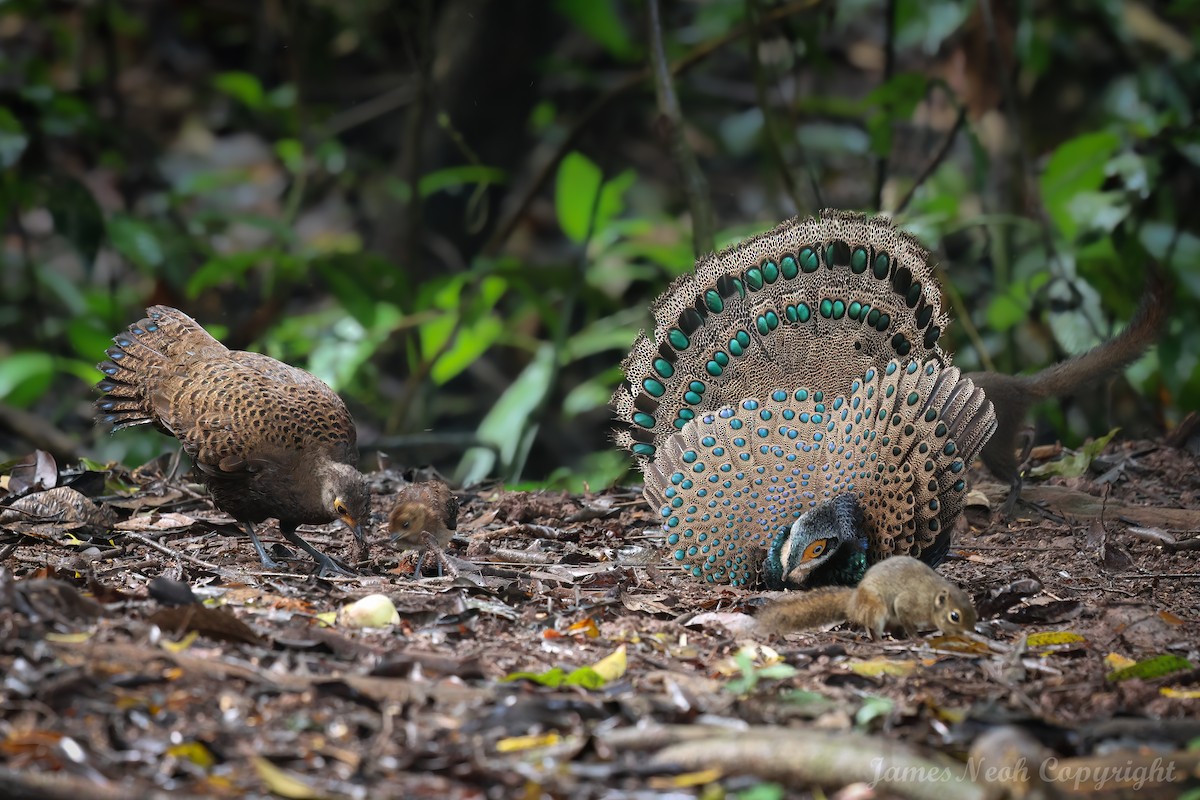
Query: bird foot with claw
point(445, 566)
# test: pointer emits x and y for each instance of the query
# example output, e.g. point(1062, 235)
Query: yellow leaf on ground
point(515, 744)
point(613, 665)
point(194, 752)
point(1052, 638)
point(1118, 661)
point(686, 780)
point(283, 782)
point(882, 666)
point(586, 626)
point(181, 645)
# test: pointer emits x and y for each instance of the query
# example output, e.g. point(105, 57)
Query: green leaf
point(762, 791)
point(593, 393)
point(1150, 668)
point(13, 139)
point(475, 327)
point(777, 672)
point(1005, 312)
point(338, 359)
point(872, 708)
point(575, 193)
point(283, 96)
point(84, 370)
point(509, 424)
point(612, 199)
point(137, 241)
point(1098, 211)
point(242, 86)
point(1077, 463)
point(87, 337)
point(1078, 165)
point(25, 377)
point(223, 269)
point(466, 175)
point(593, 471)
point(585, 677)
point(600, 20)
point(575, 196)
point(893, 100)
point(551, 677)
point(291, 153)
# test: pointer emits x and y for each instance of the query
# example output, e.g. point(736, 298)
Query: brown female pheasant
point(270, 440)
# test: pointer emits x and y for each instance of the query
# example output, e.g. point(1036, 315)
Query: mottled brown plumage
point(424, 516)
point(269, 439)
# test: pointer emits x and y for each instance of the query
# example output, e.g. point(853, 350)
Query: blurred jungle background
point(457, 212)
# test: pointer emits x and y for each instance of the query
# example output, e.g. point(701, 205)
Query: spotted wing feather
point(900, 438)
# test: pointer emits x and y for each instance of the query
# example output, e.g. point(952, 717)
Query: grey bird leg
point(429, 543)
point(267, 561)
point(328, 565)
point(1014, 488)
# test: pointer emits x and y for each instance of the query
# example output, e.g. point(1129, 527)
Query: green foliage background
point(457, 213)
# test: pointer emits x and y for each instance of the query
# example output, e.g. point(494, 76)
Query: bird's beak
point(355, 526)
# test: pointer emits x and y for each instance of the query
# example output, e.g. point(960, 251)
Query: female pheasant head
point(344, 495)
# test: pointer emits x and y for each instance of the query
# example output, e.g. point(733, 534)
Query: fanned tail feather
point(135, 361)
point(811, 303)
point(900, 438)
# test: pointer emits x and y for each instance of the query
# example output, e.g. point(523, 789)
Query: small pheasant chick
point(425, 516)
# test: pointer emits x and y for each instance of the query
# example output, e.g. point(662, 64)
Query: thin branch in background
point(770, 129)
point(367, 111)
point(889, 69)
point(503, 231)
point(962, 318)
point(695, 186)
point(295, 31)
point(1032, 195)
point(416, 378)
point(935, 161)
point(39, 432)
point(420, 50)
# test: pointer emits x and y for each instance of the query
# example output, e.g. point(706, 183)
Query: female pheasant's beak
point(355, 526)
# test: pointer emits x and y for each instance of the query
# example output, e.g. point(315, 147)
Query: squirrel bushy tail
point(1107, 357)
point(1012, 395)
point(803, 610)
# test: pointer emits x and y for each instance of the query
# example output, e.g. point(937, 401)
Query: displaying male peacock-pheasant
point(270, 440)
point(793, 414)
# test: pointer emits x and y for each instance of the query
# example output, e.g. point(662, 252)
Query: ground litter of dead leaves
point(566, 659)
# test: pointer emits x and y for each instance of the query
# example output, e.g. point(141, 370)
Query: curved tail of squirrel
point(1012, 395)
point(806, 610)
point(1107, 357)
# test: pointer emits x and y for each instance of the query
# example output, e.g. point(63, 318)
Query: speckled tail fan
point(792, 412)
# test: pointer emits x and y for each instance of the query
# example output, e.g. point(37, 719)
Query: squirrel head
point(953, 611)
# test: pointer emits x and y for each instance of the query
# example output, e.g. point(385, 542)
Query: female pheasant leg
point(267, 561)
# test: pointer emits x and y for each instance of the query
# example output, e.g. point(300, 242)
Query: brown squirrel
point(1012, 395)
point(898, 592)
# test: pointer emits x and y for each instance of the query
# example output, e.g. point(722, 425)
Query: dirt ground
point(117, 684)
